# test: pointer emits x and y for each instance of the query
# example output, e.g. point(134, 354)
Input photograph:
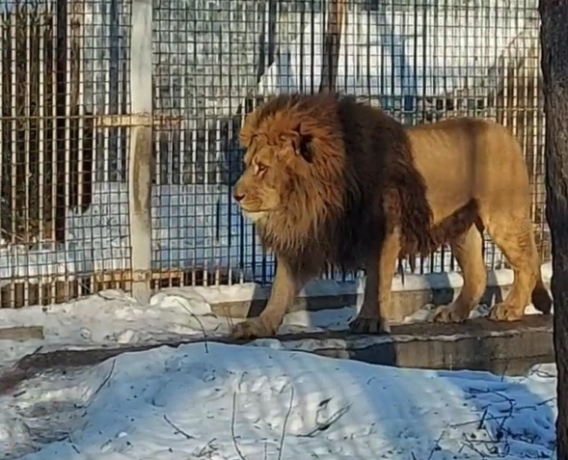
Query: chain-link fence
point(101, 97)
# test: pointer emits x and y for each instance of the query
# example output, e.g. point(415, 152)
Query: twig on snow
point(106, 379)
point(340, 413)
point(436, 445)
point(469, 444)
point(233, 436)
point(285, 424)
point(434, 449)
point(501, 428)
point(193, 315)
point(177, 428)
point(498, 445)
point(207, 449)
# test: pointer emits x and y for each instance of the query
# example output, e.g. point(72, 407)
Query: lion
point(329, 180)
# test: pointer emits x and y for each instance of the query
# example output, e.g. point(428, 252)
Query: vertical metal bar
point(53, 38)
point(207, 158)
point(69, 112)
point(13, 160)
point(184, 127)
point(27, 113)
point(106, 132)
point(2, 91)
point(42, 126)
point(81, 121)
point(193, 235)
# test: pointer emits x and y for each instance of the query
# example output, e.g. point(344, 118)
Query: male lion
point(331, 180)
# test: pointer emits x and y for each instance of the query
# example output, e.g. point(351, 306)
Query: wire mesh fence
point(84, 81)
point(63, 66)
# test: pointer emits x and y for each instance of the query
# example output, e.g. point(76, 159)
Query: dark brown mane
point(360, 178)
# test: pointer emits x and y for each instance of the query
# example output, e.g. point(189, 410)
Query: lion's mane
point(361, 183)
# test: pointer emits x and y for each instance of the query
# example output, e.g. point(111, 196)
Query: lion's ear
point(300, 143)
point(304, 147)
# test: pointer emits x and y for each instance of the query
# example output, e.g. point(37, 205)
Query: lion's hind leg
point(468, 251)
point(517, 242)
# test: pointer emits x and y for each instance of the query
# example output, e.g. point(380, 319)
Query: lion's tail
point(541, 298)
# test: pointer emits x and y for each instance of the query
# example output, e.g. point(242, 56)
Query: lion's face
point(260, 188)
point(265, 182)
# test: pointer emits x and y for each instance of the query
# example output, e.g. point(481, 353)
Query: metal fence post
point(139, 171)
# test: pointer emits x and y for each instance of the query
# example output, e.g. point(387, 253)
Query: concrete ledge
point(504, 348)
point(407, 298)
point(478, 344)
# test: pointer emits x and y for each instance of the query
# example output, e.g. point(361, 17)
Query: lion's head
point(294, 166)
point(276, 164)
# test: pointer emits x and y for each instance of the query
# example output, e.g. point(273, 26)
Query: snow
point(112, 317)
point(270, 399)
point(244, 402)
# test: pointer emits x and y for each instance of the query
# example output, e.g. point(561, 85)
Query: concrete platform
point(480, 344)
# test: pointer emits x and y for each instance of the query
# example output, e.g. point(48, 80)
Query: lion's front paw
point(506, 312)
point(450, 314)
point(254, 328)
point(366, 325)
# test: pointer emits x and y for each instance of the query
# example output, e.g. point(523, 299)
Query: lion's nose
point(238, 196)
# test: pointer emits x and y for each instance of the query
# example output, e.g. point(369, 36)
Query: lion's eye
point(260, 168)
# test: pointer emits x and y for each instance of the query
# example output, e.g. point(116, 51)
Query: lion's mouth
point(255, 216)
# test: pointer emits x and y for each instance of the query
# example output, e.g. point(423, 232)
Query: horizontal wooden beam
point(21, 333)
point(117, 121)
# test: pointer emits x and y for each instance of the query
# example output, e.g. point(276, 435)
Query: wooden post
point(140, 158)
point(554, 42)
point(332, 45)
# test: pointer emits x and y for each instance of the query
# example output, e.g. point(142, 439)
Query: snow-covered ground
point(268, 399)
point(247, 402)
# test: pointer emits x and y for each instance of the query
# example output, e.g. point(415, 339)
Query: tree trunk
point(554, 42)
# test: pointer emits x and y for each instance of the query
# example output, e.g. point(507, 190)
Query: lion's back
point(469, 158)
point(372, 139)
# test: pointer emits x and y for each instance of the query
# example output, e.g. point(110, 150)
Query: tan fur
point(330, 180)
point(465, 160)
